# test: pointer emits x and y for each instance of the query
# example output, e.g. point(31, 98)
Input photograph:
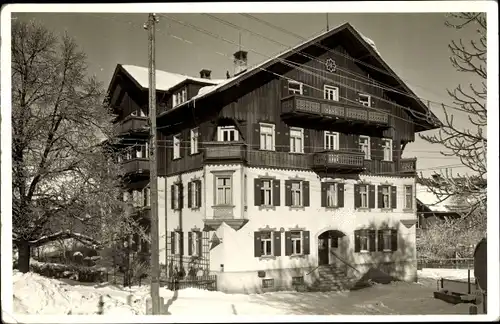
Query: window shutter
point(172, 242)
point(277, 243)
point(394, 240)
point(256, 134)
point(181, 196)
point(172, 197)
point(190, 243)
point(307, 141)
point(380, 197)
point(396, 152)
point(199, 235)
point(256, 243)
point(324, 189)
point(288, 192)
point(182, 145)
point(276, 192)
point(307, 247)
point(380, 240)
point(357, 196)
point(257, 185)
point(340, 194)
point(181, 243)
point(198, 189)
point(371, 237)
point(356, 143)
point(305, 90)
point(374, 148)
point(305, 193)
point(371, 194)
point(357, 243)
point(190, 199)
point(343, 141)
point(288, 243)
point(394, 197)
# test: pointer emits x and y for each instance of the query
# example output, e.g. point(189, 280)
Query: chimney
point(205, 74)
point(240, 62)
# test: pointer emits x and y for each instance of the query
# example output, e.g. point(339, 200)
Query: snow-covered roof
point(164, 80)
point(211, 89)
point(426, 197)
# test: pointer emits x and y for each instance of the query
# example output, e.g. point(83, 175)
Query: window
point(266, 193)
point(332, 195)
point(294, 87)
point(296, 140)
point(267, 283)
point(331, 140)
point(194, 194)
point(266, 242)
point(146, 197)
point(387, 147)
point(267, 137)
point(227, 134)
point(408, 197)
point(298, 280)
point(331, 93)
point(364, 145)
point(296, 242)
point(365, 100)
point(177, 146)
point(364, 241)
point(194, 243)
point(176, 196)
point(387, 240)
point(223, 188)
point(194, 140)
point(296, 194)
point(142, 152)
point(179, 97)
point(363, 192)
point(386, 197)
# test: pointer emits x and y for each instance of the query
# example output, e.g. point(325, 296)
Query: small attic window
point(364, 99)
point(294, 87)
point(179, 97)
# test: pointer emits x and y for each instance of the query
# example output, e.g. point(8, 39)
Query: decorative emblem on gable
point(331, 66)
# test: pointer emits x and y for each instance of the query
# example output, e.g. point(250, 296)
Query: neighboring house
point(276, 174)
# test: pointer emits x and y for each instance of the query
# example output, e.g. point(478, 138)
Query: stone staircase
point(332, 278)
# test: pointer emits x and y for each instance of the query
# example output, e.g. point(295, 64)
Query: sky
point(415, 46)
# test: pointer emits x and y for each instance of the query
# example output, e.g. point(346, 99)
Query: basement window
point(267, 283)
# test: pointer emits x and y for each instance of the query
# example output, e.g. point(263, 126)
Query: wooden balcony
point(338, 161)
point(225, 152)
point(408, 166)
point(322, 110)
point(134, 125)
point(138, 167)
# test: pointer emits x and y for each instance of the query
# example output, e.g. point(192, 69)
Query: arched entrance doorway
point(330, 247)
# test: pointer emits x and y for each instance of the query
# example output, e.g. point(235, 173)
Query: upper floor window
point(364, 145)
point(177, 146)
point(386, 197)
point(296, 194)
point(365, 100)
point(179, 97)
point(194, 140)
point(332, 195)
point(387, 147)
point(267, 138)
point(296, 140)
point(363, 192)
point(224, 190)
point(331, 140)
point(141, 151)
point(295, 87)
point(408, 197)
point(227, 134)
point(266, 193)
point(331, 93)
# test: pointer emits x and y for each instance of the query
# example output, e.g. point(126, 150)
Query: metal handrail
point(343, 261)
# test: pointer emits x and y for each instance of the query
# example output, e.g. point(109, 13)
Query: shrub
point(63, 271)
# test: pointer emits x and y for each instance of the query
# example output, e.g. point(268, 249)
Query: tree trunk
point(24, 252)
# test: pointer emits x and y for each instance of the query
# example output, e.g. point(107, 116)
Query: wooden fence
point(463, 263)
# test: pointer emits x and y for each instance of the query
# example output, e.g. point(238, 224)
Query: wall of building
point(238, 250)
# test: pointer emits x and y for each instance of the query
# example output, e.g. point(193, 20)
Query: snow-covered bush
point(58, 271)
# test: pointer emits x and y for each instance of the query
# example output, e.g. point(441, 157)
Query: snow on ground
point(34, 294)
point(457, 274)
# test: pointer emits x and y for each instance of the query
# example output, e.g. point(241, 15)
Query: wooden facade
point(264, 97)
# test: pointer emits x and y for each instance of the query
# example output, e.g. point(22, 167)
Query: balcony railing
point(136, 166)
point(338, 159)
point(223, 151)
point(408, 165)
point(133, 124)
point(333, 109)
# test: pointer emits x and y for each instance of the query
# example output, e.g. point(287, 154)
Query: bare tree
point(468, 144)
point(65, 182)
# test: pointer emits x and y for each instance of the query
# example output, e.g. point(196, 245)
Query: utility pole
point(327, 25)
point(153, 178)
